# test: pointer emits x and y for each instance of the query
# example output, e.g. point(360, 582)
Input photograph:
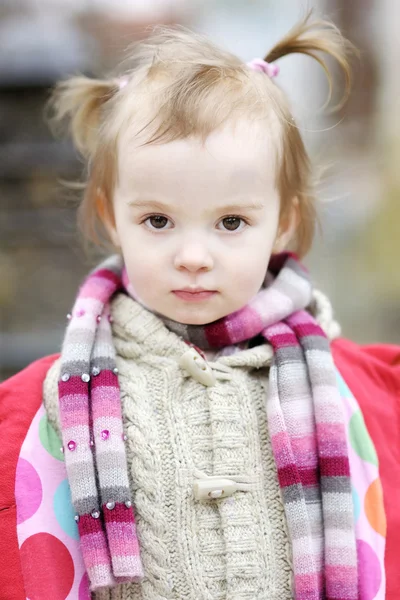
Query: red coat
point(371, 372)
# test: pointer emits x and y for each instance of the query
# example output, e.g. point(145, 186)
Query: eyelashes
point(232, 219)
point(160, 218)
point(232, 223)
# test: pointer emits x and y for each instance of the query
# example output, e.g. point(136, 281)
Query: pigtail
point(312, 37)
point(78, 103)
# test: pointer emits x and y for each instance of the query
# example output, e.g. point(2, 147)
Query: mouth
point(194, 295)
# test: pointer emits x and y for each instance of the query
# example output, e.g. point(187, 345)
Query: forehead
point(238, 153)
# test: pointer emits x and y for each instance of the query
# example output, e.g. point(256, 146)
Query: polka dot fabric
point(51, 560)
point(369, 513)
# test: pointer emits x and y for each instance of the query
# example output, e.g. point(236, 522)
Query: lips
point(193, 290)
point(194, 295)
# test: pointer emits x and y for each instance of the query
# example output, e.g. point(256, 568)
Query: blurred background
point(354, 259)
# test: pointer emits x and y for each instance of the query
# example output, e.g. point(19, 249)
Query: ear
point(104, 209)
point(287, 228)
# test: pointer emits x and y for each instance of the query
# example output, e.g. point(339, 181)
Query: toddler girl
point(209, 443)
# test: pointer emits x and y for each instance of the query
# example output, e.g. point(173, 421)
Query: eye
point(233, 223)
point(156, 222)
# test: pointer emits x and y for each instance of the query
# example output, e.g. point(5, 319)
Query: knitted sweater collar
point(140, 334)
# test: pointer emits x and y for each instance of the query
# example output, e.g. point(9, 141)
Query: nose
point(193, 255)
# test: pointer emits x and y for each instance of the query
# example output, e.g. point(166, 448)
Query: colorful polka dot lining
point(51, 560)
point(369, 510)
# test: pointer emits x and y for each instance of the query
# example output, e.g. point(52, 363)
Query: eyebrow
point(252, 205)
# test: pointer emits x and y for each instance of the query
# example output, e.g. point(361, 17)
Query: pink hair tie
point(258, 64)
point(122, 82)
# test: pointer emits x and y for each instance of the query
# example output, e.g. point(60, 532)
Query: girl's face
point(197, 216)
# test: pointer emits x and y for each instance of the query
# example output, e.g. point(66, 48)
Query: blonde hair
point(179, 85)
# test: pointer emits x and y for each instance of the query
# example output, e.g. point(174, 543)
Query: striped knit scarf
point(304, 415)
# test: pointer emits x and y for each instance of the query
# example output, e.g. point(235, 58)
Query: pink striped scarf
point(304, 413)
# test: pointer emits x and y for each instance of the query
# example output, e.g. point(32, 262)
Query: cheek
point(253, 256)
point(249, 265)
point(138, 253)
point(251, 278)
point(143, 281)
point(142, 270)
point(145, 267)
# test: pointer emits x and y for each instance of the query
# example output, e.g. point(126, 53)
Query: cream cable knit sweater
point(233, 548)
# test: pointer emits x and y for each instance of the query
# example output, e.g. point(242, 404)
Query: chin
point(191, 319)
point(197, 319)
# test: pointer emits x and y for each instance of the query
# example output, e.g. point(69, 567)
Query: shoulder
point(372, 372)
point(21, 395)
point(20, 399)
point(34, 371)
point(368, 366)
